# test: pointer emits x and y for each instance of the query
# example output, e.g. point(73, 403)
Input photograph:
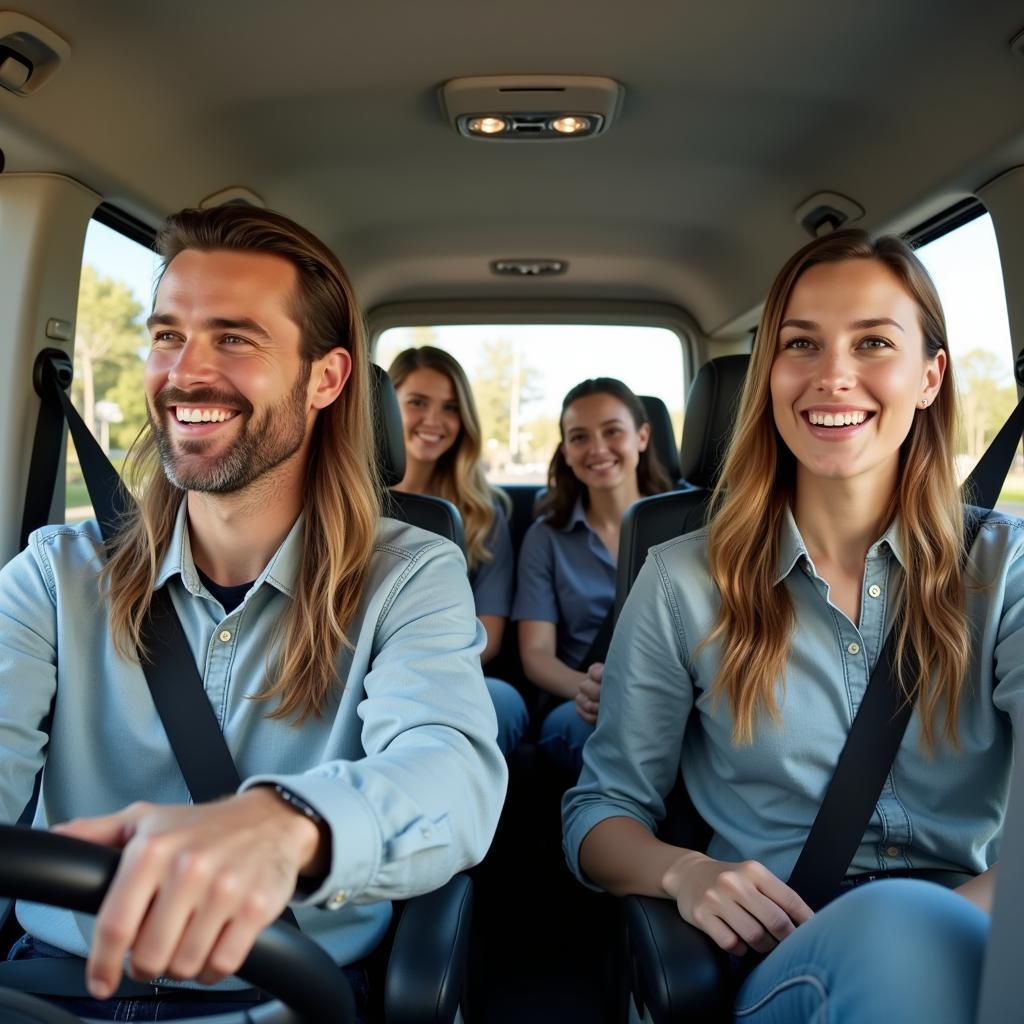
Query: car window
point(964, 264)
point(114, 299)
point(521, 372)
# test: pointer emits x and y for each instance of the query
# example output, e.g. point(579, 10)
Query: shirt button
point(892, 851)
point(874, 590)
point(337, 900)
point(426, 832)
point(225, 635)
point(854, 648)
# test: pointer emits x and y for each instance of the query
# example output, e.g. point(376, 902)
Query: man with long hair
point(339, 650)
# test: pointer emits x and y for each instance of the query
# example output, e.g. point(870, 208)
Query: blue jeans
point(510, 708)
point(159, 1007)
point(562, 735)
point(899, 949)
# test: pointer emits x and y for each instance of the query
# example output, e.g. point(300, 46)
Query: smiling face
point(850, 370)
point(430, 415)
point(602, 444)
point(228, 393)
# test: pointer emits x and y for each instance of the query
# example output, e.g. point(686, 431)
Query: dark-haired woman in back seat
point(566, 588)
point(442, 457)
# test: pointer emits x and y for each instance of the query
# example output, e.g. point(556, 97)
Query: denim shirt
point(402, 764)
point(941, 811)
point(566, 576)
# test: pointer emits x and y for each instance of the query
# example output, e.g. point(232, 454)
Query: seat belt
point(174, 682)
point(879, 725)
point(598, 650)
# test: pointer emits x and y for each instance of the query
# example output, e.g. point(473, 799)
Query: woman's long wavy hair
point(459, 474)
point(756, 618)
point(342, 492)
point(564, 487)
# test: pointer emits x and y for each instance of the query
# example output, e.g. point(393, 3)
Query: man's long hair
point(565, 488)
point(756, 618)
point(459, 474)
point(341, 497)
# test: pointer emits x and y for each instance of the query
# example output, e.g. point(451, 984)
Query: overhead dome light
point(487, 125)
point(531, 108)
point(570, 124)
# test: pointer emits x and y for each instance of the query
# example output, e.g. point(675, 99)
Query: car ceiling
point(733, 114)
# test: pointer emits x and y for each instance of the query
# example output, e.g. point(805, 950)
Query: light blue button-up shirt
point(566, 576)
point(760, 800)
point(402, 764)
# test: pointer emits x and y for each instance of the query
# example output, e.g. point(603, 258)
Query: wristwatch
point(297, 803)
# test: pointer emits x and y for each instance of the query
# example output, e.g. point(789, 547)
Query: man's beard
point(264, 440)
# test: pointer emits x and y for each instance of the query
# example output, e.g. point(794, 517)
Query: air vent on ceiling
point(30, 54)
point(529, 108)
point(528, 268)
point(237, 195)
point(827, 211)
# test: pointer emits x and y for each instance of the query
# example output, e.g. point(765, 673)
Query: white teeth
point(839, 419)
point(185, 415)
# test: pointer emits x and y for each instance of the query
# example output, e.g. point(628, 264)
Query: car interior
point(480, 168)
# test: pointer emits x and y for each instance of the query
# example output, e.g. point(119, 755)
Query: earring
point(924, 403)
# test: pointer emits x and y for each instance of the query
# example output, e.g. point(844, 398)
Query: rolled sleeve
point(494, 580)
point(536, 596)
point(424, 801)
point(631, 762)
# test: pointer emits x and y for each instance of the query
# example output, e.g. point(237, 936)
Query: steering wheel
point(60, 871)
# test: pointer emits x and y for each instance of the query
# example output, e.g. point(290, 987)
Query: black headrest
point(387, 426)
point(710, 414)
point(662, 435)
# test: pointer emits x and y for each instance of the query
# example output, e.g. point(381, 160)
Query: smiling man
point(339, 650)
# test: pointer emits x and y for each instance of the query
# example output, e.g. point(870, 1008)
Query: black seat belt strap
point(598, 650)
point(864, 763)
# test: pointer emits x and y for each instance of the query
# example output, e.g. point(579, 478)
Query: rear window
point(521, 372)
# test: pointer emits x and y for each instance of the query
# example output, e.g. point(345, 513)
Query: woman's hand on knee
point(740, 906)
point(588, 696)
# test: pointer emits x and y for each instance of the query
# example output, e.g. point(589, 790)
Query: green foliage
point(109, 338)
point(987, 397)
point(501, 382)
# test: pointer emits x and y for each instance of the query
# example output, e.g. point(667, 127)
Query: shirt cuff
point(355, 837)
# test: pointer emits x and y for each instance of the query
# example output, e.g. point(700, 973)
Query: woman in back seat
point(745, 650)
point(566, 588)
point(442, 457)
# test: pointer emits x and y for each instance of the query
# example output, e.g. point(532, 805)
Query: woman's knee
point(510, 710)
point(903, 948)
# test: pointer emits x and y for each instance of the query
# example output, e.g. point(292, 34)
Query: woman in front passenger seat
point(442, 457)
point(566, 587)
point(838, 514)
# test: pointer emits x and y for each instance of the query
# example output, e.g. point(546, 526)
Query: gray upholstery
point(710, 413)
point(662, 435)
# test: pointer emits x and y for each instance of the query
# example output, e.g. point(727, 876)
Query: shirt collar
point(577, 516)
point(281, 571)
point(792, 549)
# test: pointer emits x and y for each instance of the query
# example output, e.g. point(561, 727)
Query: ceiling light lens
point(488, 125)
point(571, 125)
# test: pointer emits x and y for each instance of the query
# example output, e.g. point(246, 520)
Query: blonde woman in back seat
point(442, 457)
point(838, 513)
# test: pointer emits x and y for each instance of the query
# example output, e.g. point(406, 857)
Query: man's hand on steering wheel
point(195, 885)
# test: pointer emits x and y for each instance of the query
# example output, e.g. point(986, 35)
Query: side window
point(520, 373)
point(114, 298)
point(964, 264)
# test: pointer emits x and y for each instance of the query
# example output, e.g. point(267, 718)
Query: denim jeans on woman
point(899, 950)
